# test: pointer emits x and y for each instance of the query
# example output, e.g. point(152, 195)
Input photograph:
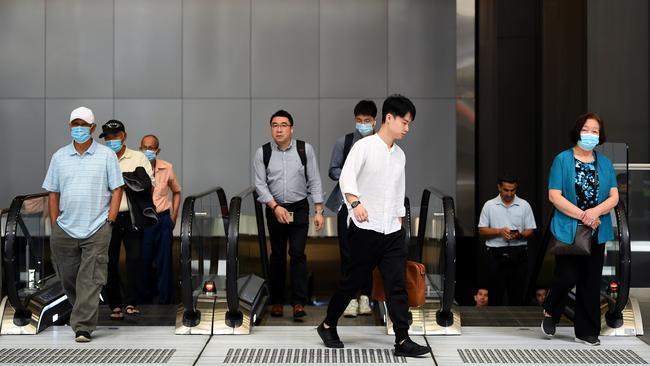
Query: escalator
point(431, 240)
point(218, 243)
point(620, 315)
point(34, 297)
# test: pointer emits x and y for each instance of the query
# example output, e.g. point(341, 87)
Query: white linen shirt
point(375, 174)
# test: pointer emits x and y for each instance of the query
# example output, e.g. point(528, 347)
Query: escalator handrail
point(449, 216)
point(624, 260)
point(232, 257)
point(187, 218)
point(450, 254)
point(11, 228)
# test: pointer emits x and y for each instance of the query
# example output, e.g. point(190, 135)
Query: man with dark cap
point(115, 135)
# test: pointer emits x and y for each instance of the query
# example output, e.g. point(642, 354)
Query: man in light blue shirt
point(506, 222)
point(84, 181)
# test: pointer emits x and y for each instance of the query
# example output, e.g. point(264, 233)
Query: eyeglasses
point(280, 125)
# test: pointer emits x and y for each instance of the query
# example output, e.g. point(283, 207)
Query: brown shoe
point(299, 311)
point(277, 310)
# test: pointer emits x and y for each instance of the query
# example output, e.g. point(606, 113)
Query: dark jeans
point(344, 248)
point(124, 231)
point(584, 272)
point(80, 265)
point(157, 248)
point(507, 268)
point(368, 250)
point(296, 234)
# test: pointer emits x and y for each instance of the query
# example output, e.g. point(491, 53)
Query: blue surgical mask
point(115, 145)
point(80, 134)
point(365, 128)
point(588, 141)
point(150, 154)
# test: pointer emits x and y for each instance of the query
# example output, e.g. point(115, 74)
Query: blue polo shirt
point(562, 177)
point(85, 183)
point(517, 216)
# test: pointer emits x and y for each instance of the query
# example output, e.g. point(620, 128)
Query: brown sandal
point(132, 310)
point(117, 314)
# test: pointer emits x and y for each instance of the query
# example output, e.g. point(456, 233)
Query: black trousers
point(344, 248)
point(369, 249)
point(507, 267)
point(296, 234)
point(123, 232)
point(585, 273)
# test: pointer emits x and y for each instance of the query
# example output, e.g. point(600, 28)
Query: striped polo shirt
point(85, 183)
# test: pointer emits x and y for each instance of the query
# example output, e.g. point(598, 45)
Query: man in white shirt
point(506, 223)
point(373, 183)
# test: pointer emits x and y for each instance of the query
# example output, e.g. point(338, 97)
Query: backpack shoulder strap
point(349, 138)
point(266, 154)
point(300, 146)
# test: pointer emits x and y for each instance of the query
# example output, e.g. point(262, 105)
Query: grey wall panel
point(22, 146)
point(159, 117)
point(305, 118)
point(57, 116)
point(422, 48)
point(216, 49)
point(22, 49)
point(353, 48)
point(336, 120)
point(147, 48)
point(216, 148)
point(285, 48)
point(79, 49)
point(430, 148)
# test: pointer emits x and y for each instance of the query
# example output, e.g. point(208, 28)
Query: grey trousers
point(81, 265)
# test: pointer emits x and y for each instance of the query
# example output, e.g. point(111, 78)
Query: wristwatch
point(319, 212)
point(355, 204)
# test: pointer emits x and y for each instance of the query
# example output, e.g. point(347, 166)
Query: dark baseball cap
point(112, 126)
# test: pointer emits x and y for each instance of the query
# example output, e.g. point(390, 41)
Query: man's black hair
point(282, 113)
point(366, 108)
point(508, 178)
point(397, 105)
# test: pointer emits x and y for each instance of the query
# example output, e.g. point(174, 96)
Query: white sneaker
point(364, 305)
point(352, 310)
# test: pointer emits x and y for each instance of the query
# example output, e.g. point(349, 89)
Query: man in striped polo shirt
point(85, 185)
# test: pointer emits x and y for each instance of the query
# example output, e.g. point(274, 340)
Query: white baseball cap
point(83, 113)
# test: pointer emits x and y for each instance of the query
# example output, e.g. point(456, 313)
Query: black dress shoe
point(408, 348)
point(329, 336)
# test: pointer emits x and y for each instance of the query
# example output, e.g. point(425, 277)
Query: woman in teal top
point(582, 188)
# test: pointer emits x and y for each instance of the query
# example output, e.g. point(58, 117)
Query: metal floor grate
point(311, 355)
point(551, 356)
point(15, 356)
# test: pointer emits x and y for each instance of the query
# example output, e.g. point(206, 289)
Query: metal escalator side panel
point(48, 307)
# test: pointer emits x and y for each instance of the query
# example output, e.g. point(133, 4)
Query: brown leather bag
point(415, 284)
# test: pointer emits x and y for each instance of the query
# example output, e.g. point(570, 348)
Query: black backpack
point(300, 145)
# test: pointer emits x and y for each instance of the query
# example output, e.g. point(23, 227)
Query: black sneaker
point(548, 326)
point(408, 348)
point(588, 340)
point(329, 336)
point(82, 336)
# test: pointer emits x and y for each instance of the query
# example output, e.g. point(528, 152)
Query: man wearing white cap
point(85, 185)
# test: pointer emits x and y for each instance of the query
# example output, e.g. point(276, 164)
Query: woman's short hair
point(574, 134)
